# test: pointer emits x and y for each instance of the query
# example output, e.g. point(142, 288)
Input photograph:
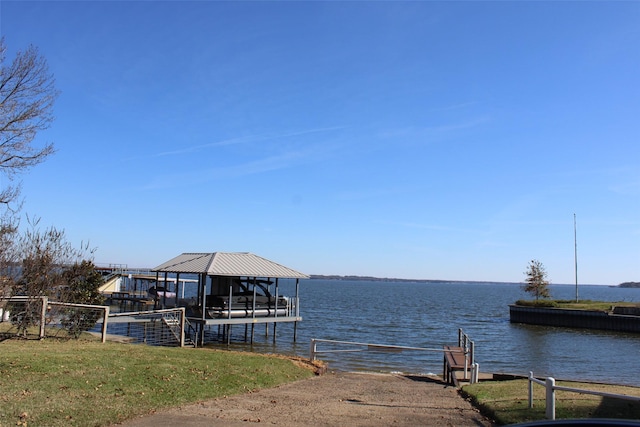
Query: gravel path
point(332, 399)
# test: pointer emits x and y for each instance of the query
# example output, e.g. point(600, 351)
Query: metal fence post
point(183, 318)
point(312, 351)
point(530, 389)
point(475, 372)
point(466, 363)
point(550, 384)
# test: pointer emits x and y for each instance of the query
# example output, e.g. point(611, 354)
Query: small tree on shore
point(536, 282)
point(45, 256)
point(81, 286)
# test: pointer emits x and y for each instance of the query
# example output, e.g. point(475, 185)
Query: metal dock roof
point(238, 264)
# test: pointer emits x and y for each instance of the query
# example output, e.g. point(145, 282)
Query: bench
point(454, 360)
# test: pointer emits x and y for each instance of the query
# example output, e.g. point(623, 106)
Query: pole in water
point(575, 252)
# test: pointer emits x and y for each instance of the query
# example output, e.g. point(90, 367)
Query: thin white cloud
point(375, 193)
point(627, 188)
point(196, 148)
point(433, 227)
point(245, 140)
point(431, 131)
point(280, 161)
point(453, 107)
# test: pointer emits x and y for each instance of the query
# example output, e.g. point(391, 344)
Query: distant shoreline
point(391, 279)
point(629, 285)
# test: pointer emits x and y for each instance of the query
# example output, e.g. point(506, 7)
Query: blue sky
point(427, 140)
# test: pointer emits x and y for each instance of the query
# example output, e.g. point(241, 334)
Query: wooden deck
point(454, 363)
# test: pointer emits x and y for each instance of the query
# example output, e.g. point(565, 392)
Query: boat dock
point(225, 289)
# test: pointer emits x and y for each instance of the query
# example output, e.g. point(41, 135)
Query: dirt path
point(332, 399)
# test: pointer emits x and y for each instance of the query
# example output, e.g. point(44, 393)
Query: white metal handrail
point(550, 397)
point(313, 351)
point(468, 346)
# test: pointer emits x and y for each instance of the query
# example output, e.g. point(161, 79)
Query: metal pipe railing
point(550, 396)
point(313, 352)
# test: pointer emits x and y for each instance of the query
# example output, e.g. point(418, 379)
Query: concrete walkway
point(332, 399)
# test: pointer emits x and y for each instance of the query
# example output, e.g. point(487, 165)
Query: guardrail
point(550, 397)
point(462, 341)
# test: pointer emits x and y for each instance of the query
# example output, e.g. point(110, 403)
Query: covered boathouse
point(233, 288)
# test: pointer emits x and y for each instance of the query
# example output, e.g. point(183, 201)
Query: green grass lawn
point(507, 402)
point(88, 383)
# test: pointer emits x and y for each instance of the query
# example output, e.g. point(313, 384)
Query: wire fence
point(37, 317)
point(158, 327)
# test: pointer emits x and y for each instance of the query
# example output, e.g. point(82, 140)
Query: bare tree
point(8, 259)
point(536, 282)
point(27, 94)
point(8, 233)
point(44, 256)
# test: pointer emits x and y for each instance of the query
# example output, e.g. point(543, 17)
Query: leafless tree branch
point(27, 95)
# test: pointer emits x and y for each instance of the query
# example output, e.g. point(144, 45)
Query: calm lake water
point(429, 315)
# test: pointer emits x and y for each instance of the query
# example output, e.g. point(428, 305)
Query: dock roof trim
point(237, 264)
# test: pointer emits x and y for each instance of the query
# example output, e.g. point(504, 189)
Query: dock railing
point(156, 327)
point(550, 386)
point(360, 347)
point(469, 350)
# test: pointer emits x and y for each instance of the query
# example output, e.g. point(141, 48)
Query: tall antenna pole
point(575, 251)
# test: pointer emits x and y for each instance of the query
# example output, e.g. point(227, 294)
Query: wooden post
point(105, 319)
point(43, 315)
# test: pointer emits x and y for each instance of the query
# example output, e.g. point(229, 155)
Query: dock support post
point(274, 331)
point(295, 331)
